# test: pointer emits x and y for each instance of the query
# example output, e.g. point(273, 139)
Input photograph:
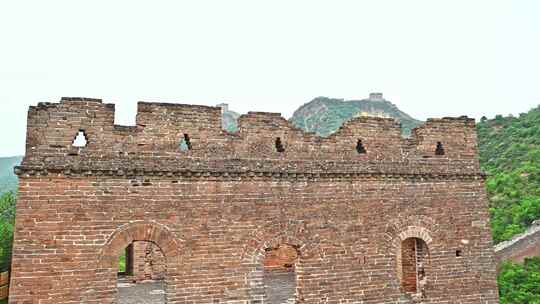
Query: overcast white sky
point(432, 58)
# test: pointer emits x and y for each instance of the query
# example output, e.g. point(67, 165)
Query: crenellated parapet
point(177, 137)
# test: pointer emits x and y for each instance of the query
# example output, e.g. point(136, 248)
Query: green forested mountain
point(510, 154)
point(8, 180)
point(8, 186)
point(325, 115)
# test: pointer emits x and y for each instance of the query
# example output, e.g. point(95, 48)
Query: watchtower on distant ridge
point(376, 97)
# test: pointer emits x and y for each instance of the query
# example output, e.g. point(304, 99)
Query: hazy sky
point(431, 58)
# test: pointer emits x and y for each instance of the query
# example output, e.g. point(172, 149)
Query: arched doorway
point(413, 262)
point(141, 274)
point(280, 273)
point(149, 253)
point(260, 249)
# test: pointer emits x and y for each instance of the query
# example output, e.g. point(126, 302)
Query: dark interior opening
point(360, 147)
point(279, 145)
point(440, 149)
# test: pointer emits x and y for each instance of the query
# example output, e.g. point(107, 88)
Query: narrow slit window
point(279, 145)
point(80, 140)
point(360, 147)
point(185, 143)
point(440, 149)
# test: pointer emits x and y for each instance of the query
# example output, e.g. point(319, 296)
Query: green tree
point(510, 154)
point(520, 283)
point(7, 220)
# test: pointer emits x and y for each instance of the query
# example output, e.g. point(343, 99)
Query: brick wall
point(215, 209)
point(284, 256)
point(520, 247)
point(279, 273)
point(148, 262)
point(408, 268)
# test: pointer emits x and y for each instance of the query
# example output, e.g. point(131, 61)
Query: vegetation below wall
point(520, 284)
point(7, 220)
point(510, 154)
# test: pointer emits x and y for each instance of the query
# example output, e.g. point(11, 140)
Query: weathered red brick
point(214, 209)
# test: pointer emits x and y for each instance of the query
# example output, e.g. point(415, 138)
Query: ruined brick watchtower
point(371, 217)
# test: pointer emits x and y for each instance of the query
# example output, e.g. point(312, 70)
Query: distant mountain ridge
point(325, 115)
point(8, 179)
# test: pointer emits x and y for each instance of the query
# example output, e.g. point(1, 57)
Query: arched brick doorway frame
point(286, 232)
point(147, 231)
point(408, 226)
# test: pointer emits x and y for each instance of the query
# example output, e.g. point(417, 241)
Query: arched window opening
point(414, 258)
point(80, 140)
point(279, 145)
point(280, 274)
point(440, 149)
point(141, 273)
point(185, 143)
point(360, 147)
